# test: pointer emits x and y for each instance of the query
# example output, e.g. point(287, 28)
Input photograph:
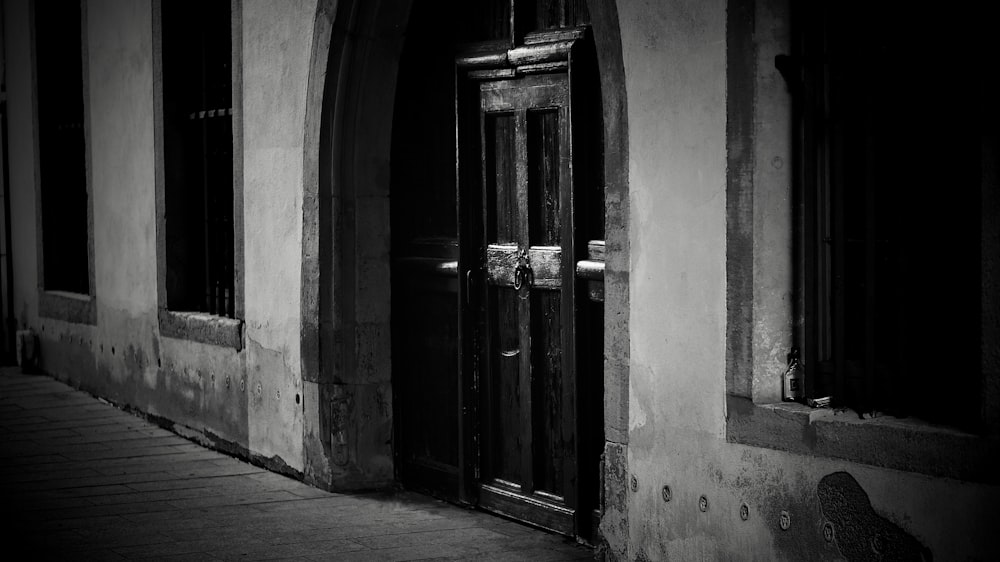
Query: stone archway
point(345, 265)
point(345, 320)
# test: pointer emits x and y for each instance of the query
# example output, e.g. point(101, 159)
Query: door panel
point(547, 417)
point(485, 250)
point(529, 462)
point(426, 280)
point(500, 157)
point(543, 177)
point(505, 388)
point(425, 291)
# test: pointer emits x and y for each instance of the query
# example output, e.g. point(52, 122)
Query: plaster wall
point(21, 157)
point(277, 39)
point(772, 206)
point(675, 64)
point(121, 142)
point(247, 400)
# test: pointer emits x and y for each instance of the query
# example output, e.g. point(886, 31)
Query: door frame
point(347, 412)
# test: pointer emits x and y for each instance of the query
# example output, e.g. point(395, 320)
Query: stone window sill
point(202, 327)
point(889, 442)
point(69, 307)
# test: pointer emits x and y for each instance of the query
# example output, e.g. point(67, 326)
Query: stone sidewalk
point(83, 480)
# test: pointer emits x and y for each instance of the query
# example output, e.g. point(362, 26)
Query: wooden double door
point(497, 331)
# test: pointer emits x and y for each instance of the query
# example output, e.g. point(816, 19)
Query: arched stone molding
point(345, 335)
point(345, 267)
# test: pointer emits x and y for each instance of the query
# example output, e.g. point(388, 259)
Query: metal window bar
point(215, 121)
point(839, 224)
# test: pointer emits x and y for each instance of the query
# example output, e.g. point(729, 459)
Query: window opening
point(62, 150)
point(890, 176)
point(198, 156)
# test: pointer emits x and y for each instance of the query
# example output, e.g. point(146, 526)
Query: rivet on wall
point(243, 385)
point(277, 394)
point(665, 492)
point(744, 511)
point(828, 531)
point(297, 399)
point(228, 384)
point(785, 520)
point(260, 389)
point(703, 503)
point(635, 483)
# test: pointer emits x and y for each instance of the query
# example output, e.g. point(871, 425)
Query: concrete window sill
point(898, 443)
point(68, 307)
point(202, 327)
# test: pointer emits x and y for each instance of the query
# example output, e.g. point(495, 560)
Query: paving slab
point(83, 480)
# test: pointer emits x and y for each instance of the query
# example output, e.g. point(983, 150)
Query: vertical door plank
point(546, 345)
point(570, 392)
point(524, 303)
point(504, 442)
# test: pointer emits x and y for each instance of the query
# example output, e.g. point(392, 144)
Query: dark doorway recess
point(497, 221)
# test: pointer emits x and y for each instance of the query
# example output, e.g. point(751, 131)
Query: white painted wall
point(277, 39)
point(124, 192)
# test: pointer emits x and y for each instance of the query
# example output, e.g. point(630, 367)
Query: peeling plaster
point(274, 417)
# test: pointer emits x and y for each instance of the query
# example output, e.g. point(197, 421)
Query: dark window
point(198, 155)
point(888, 118)
point(61, 147)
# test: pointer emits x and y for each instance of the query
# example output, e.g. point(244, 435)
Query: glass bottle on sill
point(793, 381)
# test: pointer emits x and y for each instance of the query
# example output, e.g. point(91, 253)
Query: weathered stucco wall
point(248, 400)
point(121, 142)
point(675, 56)
point(277, 38)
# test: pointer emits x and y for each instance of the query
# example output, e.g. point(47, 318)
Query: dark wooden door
point(427, 386)
point(496, 403)
point(527, 384)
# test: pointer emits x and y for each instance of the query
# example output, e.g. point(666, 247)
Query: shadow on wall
point(860, 532)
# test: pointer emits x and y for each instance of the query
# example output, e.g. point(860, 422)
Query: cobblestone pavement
point(83, 480)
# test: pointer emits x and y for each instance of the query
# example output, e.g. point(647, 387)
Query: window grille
point(889, 175)
point(198, 153)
